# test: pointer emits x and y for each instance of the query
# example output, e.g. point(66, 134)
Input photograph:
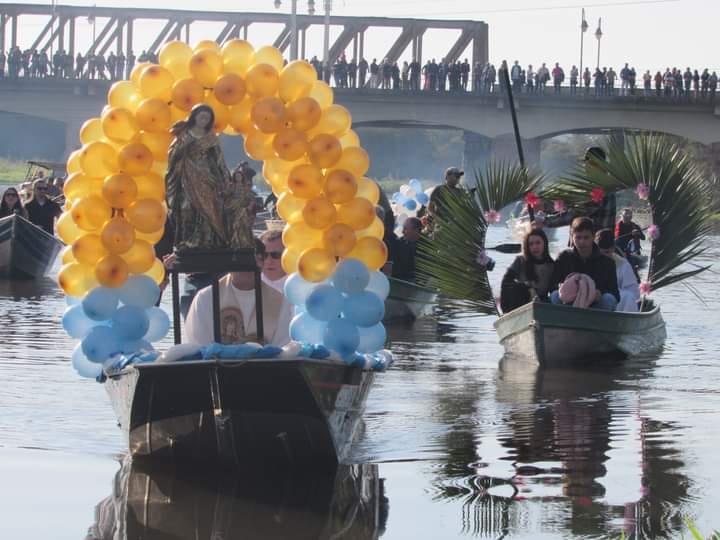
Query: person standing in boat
point(628, 286)
point(584, 260)
point(628, 234)
point(11, 204)
point(272, 270)
point(436, 206)
point(40, 209)
point(529, 276)
point(405, 250)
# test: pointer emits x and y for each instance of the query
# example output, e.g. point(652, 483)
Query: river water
point(455, 445)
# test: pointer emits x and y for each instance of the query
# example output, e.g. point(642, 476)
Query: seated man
point(628, 234)
point(237, 311)
point(627, 282)
point(585, 258)
point(405, 250)
point(272, 270)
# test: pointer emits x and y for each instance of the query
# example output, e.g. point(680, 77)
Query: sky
point(649, 34)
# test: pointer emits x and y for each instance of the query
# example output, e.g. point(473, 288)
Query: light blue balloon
point(402, 199)
point(395, 196)
point(71, 300)
point(100, 303)
point(342, 337)
point(159, 324)
point(130, 347)
point(305, 329)
point(100, 344)
point(297, 290)
point(415, 185)
point(372, 339)
point(351, 276)
point(297, 310)
point(324, 303)
point(410, 204)
point(130, 323)
point(83, 366)
point(422, 198)
point(76, 323)
point(363, 309)
point(379, 284)
point(141, 291)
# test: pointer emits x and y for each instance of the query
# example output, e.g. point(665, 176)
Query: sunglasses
point(273, 254)
point(41, 188)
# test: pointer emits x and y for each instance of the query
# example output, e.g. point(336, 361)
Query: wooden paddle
point(506, 248)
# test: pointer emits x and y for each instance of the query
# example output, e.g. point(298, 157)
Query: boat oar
point(506, 248)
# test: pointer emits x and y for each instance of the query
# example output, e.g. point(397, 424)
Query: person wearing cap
point(452, 184)
point(627, 282)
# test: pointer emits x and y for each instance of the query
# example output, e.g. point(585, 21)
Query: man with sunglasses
point(272, 270)
point(41, 210)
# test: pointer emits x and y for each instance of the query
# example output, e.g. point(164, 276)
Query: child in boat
point(529, 276)
point(627, 282)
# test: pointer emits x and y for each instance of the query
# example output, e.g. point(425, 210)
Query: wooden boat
point(408, 301)
point(230, 412)
point(548, 335)
point(26, 251)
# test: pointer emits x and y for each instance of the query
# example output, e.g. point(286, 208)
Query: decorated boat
point(26, 251)
point(408, 301)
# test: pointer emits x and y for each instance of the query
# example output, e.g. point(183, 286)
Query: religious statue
point(205, 207)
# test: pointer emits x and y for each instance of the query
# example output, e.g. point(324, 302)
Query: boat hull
point(231, 412)
point(26, 251)
point(550, 335)
point(408, 301)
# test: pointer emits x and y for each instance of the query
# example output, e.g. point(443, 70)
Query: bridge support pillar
point(477, 151)
point(505, 149)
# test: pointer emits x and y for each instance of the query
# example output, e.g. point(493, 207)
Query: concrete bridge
point(484, 120)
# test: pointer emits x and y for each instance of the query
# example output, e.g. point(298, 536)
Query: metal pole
point(326, 38)
point(293, 32)
point(582, 38)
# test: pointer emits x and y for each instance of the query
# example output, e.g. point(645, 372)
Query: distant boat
point(408, 301)
point(26, 250)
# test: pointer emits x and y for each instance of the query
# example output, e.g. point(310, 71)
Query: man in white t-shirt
point(272, 270)
point(238, 322)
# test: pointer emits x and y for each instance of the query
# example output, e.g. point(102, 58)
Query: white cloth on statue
point(277, 284)
point(237, 316)
point(627, 285)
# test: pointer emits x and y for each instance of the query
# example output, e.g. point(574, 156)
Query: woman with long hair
point(529, 276)
point(11, 204)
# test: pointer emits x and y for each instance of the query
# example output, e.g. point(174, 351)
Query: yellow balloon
point(350, 139)
point(153, 115)
point(151, 238)
point(316, 264)
point(186, 93)
point(76, 279)
point(269, 55)
point(207, 44)
point(79, 185)
point(159, 167)
point(355, 160)
point(67, 229)
point(300, 236)
point(174, 51)
point(88, 249)
point(220, 111)
point(178, 114)
point(124, 95)
point(135, 158)
point(157, 143)
point(119, 125)
point(290, 207)
point(157, 271)
point(239, 116)
point(277, 169)
point(111, 271)
point(340, 186)
point(258, 145)
point(335, 120)
point(289, 260)
point(305, 181)
point(91, 131)
point(206, 66)
point(319, 213)
point(150, 186)
point(357, 213)
point(137, 72)
point(290, 144)
point(117, 235)
point(322, 93)
point(268, 115)
point(262, 80)
point(296, 80)
point(324, 151)
point(371, 251)
point(73, 162)
point(304, 114)
point(368, 189)
point(147, 215)
point(156, 82)
point(98, 159)
point(90, 212)
point(237, 56)
point(140, 257)
point(376, 230)
point(230, 89)
point(119, 190)
point(66, 255)
point(339, 240)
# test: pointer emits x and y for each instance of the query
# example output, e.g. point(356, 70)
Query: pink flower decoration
point(559, 205)
point(645, 288)
point(653, 232)
point(597, 195)
point(533, 200)
point(482, 258)
point(643, 192)
point(492, 216)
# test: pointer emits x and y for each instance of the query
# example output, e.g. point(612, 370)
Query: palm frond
point(502, 183)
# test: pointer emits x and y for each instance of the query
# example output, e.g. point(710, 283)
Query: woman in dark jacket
point(529, 276)
point(11, 204)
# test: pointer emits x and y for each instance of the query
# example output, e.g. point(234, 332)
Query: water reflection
point(151, 503)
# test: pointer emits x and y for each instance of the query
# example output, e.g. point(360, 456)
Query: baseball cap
point(453, 171)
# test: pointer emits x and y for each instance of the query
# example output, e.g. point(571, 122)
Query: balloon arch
point(115, 210)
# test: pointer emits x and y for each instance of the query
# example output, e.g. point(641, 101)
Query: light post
point(293, 24)
point(583, 29)
point(326, 40)
point(599, 35)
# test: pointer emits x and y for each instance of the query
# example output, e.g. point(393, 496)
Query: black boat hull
point(231, 412)
point(26, 251)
